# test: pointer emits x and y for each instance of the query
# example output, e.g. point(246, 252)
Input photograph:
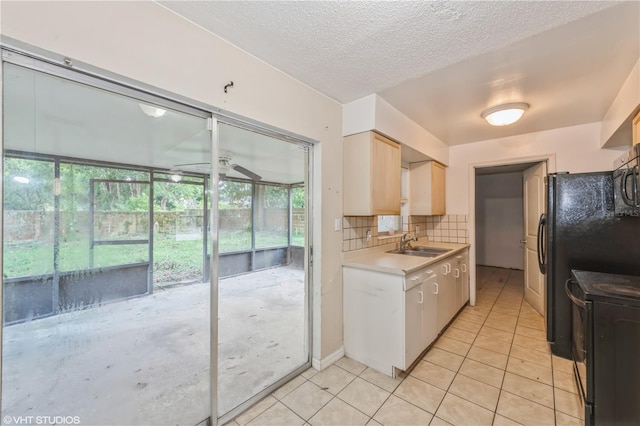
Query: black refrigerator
point(581, 231)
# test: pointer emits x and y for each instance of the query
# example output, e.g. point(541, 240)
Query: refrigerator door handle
point(629, 173)
point(634, 174)
point(541, 255)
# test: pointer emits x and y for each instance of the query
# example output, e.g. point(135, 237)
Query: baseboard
point(321, 364)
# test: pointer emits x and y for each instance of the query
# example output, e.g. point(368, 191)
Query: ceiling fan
point(224, 161)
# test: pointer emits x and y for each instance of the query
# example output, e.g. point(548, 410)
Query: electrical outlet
point(337, 225)
point(417, 230)
point(368, 235)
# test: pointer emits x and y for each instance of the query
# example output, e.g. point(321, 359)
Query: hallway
point(491, 366)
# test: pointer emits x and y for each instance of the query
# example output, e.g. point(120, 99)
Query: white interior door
point(534, 206)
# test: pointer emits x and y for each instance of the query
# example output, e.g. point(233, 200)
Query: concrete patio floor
point(146, 360)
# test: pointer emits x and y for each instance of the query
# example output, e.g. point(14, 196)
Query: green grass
point(233, 240)
point(173, 260)
point(33, 258)
point(177, 260)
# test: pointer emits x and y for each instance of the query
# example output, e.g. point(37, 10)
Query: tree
point(298, 197)
point(234, 195)
point(170, 196)
point(28, 184)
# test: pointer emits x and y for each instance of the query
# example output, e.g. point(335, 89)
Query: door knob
point(523, 241)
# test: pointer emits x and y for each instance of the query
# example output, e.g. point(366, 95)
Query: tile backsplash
point(449, 229)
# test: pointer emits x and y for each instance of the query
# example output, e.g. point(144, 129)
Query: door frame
point(550, 159)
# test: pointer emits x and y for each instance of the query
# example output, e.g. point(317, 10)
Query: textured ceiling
point(441, 63)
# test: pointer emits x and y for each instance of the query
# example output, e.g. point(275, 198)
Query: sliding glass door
point(264, 282)
point(87, 335)
point(156, 264)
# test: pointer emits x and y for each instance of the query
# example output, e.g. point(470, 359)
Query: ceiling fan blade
point(191, 164)
point(245, 172)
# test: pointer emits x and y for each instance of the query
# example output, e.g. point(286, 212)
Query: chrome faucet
point(406, 242)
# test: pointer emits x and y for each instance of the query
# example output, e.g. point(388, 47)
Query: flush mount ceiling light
point(152, 111)
point(503, 115)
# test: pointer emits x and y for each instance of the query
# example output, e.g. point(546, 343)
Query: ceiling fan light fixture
point(223, 166)
point(505, 114)
point(21, 179)
point(152, 111)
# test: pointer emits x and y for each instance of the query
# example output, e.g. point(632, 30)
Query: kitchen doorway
point(504, 226)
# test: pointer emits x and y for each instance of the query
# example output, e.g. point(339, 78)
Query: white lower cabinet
point(414, 338)
point(375, 318)
point(430, 329)
point(462, 277)
point(389, 319)
point(420, 316)
point(446, 293)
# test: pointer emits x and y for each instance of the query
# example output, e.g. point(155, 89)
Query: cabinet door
point(385, 176)
point(446, 294)
point(427, 189)
point(438, 189)
point(430, 309)
point(635, 130)
point(373, 311)
point(413, 338)
point(464, 266)
point(457, 277)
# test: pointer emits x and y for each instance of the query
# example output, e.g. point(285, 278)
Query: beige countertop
point(376, 258)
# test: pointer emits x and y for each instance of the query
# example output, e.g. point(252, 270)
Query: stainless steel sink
point(421, 251)
point(433, 250)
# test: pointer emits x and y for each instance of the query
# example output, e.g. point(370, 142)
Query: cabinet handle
point(457, 273)
point(448, 268)
point(421, 297)
point(444, 269)
point(435, 287)
point(464, 267)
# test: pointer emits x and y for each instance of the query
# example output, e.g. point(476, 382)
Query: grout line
point(504, 291)
point(465, 357)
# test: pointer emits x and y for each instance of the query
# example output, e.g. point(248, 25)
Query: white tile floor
point(491, 366)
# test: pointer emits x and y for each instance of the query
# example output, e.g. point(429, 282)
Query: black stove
point(612, 288)
point(605, 326)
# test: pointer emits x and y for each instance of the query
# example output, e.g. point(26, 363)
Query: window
point(235, 216)
point(298, 216)
point(386, 223)
point(271, 216)
point(397, 223)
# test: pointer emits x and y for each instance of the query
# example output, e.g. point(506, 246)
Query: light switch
point(337, 225)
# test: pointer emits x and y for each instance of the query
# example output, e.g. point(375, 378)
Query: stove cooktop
point(612, 288)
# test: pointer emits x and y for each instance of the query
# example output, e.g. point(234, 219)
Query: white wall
point(146, 42)
point(625, 103)
point(575, 149)
point(374, 113)
point(499, 220)
point(392, 122)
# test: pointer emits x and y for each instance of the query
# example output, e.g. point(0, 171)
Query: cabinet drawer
point(412, 280)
